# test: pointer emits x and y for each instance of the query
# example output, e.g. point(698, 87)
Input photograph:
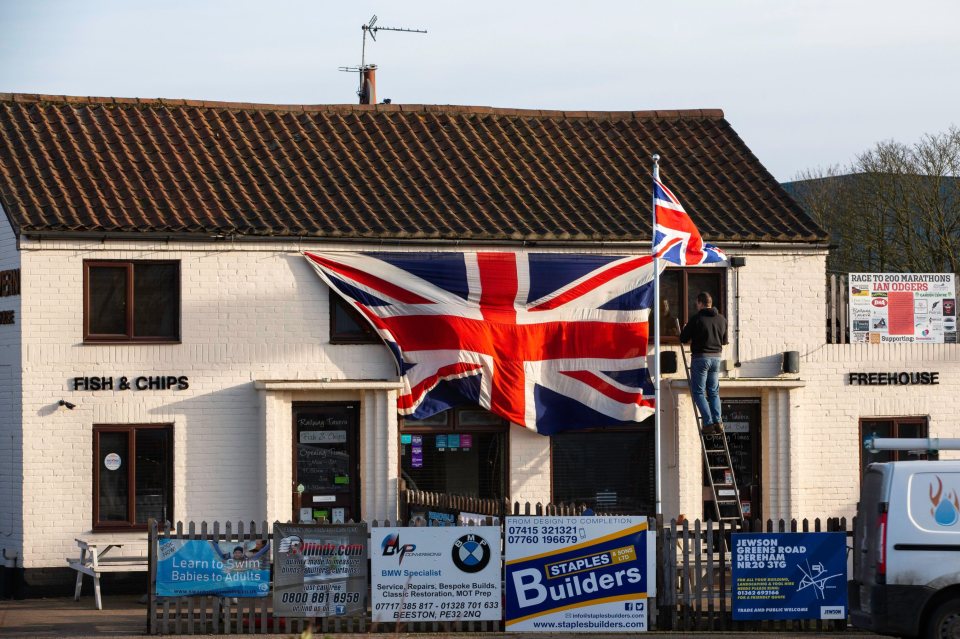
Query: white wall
point(255, 314)
point(11, 497)
point(257, 311)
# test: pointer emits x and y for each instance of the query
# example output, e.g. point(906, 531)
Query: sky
point(806, 84)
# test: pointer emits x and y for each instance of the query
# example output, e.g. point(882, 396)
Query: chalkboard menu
point(323, 453)
point(318, 469)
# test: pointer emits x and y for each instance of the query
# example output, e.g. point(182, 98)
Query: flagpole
point(656, 339)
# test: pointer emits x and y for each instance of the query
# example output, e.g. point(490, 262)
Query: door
point(741, 422)
point(326, 477)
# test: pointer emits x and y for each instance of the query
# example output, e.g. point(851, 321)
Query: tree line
point(895, 208)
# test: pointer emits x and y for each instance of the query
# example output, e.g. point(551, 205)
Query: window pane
point(588, 468)
point(348, 325)
point(879, 429)
point(112, 466)
point(156, 300)
point(108, 300)
point(709, 282)
point(474, 467)
point(153, 485)
point(671, 302)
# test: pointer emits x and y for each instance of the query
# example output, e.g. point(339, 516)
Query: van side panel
point(923, 539)
point(922, 500)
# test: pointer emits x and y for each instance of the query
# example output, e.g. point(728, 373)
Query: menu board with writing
point(322, 449)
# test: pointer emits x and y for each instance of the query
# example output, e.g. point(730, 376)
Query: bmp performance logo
point(471, 553)
point(391, 547)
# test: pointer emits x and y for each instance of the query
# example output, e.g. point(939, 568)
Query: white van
point(906, 563)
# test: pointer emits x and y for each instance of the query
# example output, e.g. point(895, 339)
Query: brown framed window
point(896, 427)
point(461, 451)
point(128, 301)
point(347, 326)
point(611, 470)
point(679, 288)
point(132, 475)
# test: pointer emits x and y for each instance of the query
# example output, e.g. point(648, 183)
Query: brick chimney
point(368, 84)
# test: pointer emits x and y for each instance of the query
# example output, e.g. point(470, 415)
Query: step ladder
point(716, 458)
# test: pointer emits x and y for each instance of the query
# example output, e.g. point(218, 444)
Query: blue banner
point(789, 576)
point(577, 574)
point(188, 567)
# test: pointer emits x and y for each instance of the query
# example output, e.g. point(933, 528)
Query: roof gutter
point(232, 238)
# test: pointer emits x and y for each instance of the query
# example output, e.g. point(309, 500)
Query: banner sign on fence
point(903, 307)
point(578, 573)
point(187, 567)
point(789, 576)
point(435, 574)
point(319, 570)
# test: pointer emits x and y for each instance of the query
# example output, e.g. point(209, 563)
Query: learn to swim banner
point(585, 574)
point(789, 576)
point(188, 567)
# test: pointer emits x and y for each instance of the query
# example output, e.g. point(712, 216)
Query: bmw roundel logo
point(471, 553)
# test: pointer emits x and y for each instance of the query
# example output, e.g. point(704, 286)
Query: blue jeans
point(705, 386)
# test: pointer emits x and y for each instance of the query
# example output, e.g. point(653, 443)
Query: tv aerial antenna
point(372, 28)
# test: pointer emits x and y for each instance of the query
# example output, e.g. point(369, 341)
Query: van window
point(865, 535)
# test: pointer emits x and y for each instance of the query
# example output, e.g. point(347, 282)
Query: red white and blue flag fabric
point(676, 238)
point(550, 341)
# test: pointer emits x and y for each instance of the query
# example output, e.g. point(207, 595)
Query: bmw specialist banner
point(187, 567)
point(435, 574)
point(319, 570)
point(789, 575)
point(583, 574)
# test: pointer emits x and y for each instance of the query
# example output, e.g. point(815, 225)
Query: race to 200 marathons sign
point(578, 573)
point(789, 576)
point(903, 307)
point(319, 570)
point(187, 567)
point(435, 574)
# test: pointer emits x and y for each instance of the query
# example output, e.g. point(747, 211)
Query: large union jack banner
point(676, 238)
point(550, 341)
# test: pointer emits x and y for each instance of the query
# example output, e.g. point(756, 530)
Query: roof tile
point(398, 171)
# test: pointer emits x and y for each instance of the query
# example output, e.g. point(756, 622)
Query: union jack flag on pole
point(550, 341)
point(676, 238)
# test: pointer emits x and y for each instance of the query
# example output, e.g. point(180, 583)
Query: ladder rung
point(724, 467)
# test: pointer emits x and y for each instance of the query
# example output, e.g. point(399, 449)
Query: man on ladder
point(707, 330)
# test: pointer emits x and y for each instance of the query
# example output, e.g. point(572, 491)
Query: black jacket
point(708, 330)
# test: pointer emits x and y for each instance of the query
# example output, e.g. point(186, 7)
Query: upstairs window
point(131, 301)
point(679, 288)
point(347, 326)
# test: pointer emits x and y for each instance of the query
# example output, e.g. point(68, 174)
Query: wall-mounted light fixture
point(64, 402)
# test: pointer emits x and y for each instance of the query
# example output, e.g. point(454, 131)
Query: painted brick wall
point(260, 313)
point(257, 311)
point(11, 497)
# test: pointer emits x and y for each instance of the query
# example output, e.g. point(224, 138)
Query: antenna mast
point(372, 28)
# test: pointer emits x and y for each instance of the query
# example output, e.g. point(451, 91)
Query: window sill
point(144, 342)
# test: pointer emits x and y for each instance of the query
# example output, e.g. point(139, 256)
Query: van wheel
point(944, 623)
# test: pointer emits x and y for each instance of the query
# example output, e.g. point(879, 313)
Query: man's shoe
point(718, 428)
point(710, 429)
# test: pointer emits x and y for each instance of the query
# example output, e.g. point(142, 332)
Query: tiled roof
point(387, 171)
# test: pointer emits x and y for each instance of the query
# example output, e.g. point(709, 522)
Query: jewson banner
point(188, 567)
point(435, 574)
point(789, 576)
point(578, 573)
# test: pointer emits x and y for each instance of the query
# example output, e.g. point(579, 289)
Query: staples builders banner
point(583, 574)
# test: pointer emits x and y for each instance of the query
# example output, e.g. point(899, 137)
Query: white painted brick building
point(254, 343)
